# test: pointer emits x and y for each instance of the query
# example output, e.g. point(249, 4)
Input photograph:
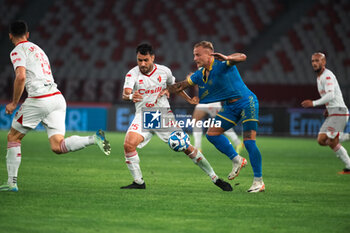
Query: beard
point(317, 70)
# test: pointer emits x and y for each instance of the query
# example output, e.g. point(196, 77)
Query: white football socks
point(13, 160)
point(234, 138)
point(132, 160)
point(342, 154)
point(197, 135)
point(74, 143)
point(201, 161)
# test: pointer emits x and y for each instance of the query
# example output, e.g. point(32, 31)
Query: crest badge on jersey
point(152, 119)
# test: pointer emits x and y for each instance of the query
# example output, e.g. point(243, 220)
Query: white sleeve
point(130, 79)
point(329, 89)
point(325, 99)
point(18, 58)
point(170, 79)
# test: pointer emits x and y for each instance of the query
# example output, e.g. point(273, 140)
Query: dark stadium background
point(91, 44)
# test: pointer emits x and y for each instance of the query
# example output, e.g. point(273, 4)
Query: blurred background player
point(143, 85)
point(44, 104)
point(337, 113)
point(218, 79)
point(203, 110)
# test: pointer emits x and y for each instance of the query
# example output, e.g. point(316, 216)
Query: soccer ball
point(179, 141)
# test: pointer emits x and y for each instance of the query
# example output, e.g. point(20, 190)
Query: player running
point(44, 104)
point(337, 113)
point(218, 79)
point(143, 85)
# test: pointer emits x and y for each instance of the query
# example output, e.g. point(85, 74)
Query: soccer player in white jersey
point(211, 109)
point(337, 113)
point(142, 86)
point(44, 104)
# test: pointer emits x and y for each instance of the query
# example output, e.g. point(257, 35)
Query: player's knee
point(56, 149)
point(129, 147)
point(14, 136)
point(322, 140)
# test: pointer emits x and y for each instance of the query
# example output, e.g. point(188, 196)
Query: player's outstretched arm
point(194, 100)
point(232, 59)
point(18, 88)
point(178, 87)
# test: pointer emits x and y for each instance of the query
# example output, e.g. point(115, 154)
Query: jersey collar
point(205, 79)
point(154, 70)
point(24, 41)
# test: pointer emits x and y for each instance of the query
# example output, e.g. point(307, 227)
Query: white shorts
point(212, 108)
point(50, 111)
point(335, 123)
point(137, 127)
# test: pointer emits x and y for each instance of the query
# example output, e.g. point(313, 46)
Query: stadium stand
point(324, 29)
point(91, 44)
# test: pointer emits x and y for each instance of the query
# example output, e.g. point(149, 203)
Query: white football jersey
point(326, 83)
point(149, 86)
point(39, 79)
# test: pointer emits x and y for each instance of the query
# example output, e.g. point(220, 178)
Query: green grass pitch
point(80, 191)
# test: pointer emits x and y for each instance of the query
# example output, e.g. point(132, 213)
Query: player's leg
point(54, 122)
point(25, 119)
point(13, 159)
point(198, 114)
point(199, 159)
point(216, 137)
point(249, 137)
point(61, 145)
point(338, 149)
point(135, 138)
point(250, 126)
point(132, 159)
point(329, 136)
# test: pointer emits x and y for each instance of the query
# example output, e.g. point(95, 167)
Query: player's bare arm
point(194, 100)
point(307, 104)
point(129, 96)
point(178, 87)
point(18, 89)
point(232, 59)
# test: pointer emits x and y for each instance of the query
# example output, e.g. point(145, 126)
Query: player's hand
point(219, 56)
point(307, 104)
point(10, 108)
point(137, 97)
point(194, 100)
point(164, 92)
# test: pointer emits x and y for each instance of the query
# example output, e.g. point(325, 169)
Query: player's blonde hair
point(205, 44)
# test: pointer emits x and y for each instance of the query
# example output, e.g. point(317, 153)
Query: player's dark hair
point(18, 28)
point(145, 49)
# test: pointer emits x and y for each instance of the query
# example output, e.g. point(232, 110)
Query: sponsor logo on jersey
point(150, 91)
